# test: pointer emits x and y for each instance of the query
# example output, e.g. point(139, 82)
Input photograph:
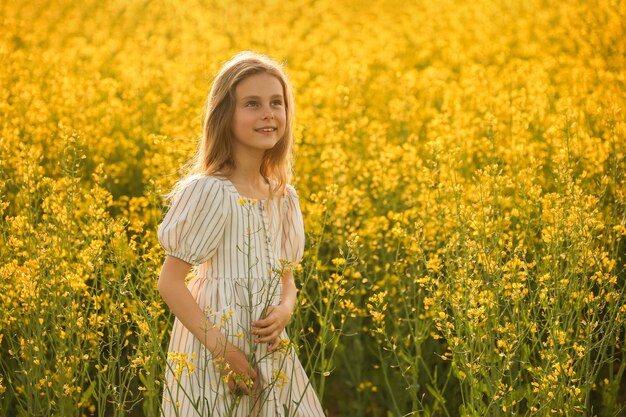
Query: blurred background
point(460, 167)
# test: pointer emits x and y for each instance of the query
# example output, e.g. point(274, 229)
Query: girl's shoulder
point(290, 191)
point(197, 184)
point(204, 179)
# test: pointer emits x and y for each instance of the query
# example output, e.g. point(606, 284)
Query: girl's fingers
point(262, 323)
point(264, 331)
point(269, 319)
point(274, 345)
point(243, 387)
point(267, 339)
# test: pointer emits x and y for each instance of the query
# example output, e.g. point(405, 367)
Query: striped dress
point(239, 247)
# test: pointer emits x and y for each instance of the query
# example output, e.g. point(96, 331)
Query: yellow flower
point(338, 261)
point(280, 377)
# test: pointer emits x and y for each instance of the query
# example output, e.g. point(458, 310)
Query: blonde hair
point(215, 150)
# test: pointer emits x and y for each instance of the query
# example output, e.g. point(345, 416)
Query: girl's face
point(260, 115)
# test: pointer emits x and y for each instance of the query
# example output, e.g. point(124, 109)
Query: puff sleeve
point(194, 224)
point(293, 228)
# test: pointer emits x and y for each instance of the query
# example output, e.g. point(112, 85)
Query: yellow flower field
point(461, 171)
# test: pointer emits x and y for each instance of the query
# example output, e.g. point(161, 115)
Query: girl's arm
point(289, 292)
point(269, 328)
point(176, 295)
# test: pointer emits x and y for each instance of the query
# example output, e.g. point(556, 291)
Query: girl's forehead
point(259, 85)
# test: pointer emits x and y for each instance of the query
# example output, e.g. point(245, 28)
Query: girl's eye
point(251, 103)
point(277, 103)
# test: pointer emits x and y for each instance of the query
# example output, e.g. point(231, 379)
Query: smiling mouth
point(266, 129)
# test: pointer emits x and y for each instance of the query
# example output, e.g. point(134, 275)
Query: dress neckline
point(234, 189)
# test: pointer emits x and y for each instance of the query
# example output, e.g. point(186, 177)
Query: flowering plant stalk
point(325, 307)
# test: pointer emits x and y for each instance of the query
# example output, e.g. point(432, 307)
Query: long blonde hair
point(215, 150)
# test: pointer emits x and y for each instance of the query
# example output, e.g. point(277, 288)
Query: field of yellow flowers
point(461, 170)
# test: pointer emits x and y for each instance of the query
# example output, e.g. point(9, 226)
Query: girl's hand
point(233, 364)
point(271, 326)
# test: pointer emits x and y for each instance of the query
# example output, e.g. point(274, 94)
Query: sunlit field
point(461, 171)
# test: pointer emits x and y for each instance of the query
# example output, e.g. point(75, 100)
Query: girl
point(236, 218)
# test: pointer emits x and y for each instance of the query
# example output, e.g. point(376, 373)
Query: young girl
point(236, 218)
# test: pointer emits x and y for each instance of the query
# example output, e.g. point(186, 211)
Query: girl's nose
point(269, 114)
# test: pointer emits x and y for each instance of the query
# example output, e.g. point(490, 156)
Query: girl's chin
point(260, 146)
point(265, 145)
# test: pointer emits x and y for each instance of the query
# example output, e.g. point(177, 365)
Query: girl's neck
point(246, 177)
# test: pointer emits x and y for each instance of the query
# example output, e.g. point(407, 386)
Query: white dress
point(237, 246)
